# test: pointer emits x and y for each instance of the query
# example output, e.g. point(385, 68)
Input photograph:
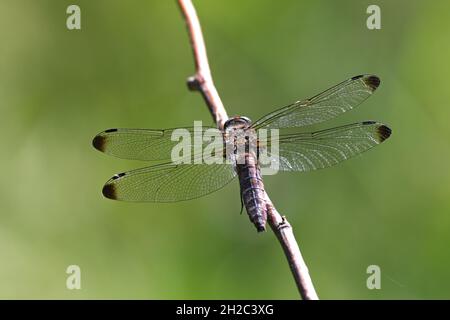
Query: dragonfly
point(167, 181)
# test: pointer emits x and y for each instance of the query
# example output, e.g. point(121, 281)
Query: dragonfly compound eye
point(237, 122)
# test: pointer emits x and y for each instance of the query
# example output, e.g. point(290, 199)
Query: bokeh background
point(127, 67)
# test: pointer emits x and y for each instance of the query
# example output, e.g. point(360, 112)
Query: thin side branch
point(202, 82)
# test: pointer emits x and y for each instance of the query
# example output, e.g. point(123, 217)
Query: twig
point(283, 230)
point(202, 81)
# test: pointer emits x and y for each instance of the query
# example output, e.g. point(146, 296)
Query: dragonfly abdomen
point(252, 192)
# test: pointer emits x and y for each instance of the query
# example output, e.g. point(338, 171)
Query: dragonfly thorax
point(240, 140)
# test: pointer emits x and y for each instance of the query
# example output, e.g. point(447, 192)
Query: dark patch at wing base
point(109, 191)
point(384, 132)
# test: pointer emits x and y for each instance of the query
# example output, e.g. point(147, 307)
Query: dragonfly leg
point(242, 204)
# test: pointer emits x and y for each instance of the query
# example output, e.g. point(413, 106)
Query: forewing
point(322, 149)
point(168, 182)
point(141, 144)
point(324, 106)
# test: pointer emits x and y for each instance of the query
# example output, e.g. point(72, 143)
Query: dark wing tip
point(109, 191)
point(99, 142)
point(373, 82)
point(384, 132)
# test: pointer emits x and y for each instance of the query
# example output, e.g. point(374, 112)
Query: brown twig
point(202, 81)
point(283, 230)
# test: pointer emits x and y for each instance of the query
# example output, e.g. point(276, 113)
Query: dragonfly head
point(237, 122)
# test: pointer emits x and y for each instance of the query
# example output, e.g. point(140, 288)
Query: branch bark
point(202, 81)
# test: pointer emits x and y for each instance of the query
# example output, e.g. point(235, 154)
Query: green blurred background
point(127, 67)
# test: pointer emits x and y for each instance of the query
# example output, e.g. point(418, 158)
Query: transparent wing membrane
point(141, 144)
point(322, 149)
point(168, 182)
point(324, 106)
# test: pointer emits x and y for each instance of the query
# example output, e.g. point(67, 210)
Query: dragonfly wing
point(168, 182)
point(324, 106)
point(325, 148)
point(143, 144)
